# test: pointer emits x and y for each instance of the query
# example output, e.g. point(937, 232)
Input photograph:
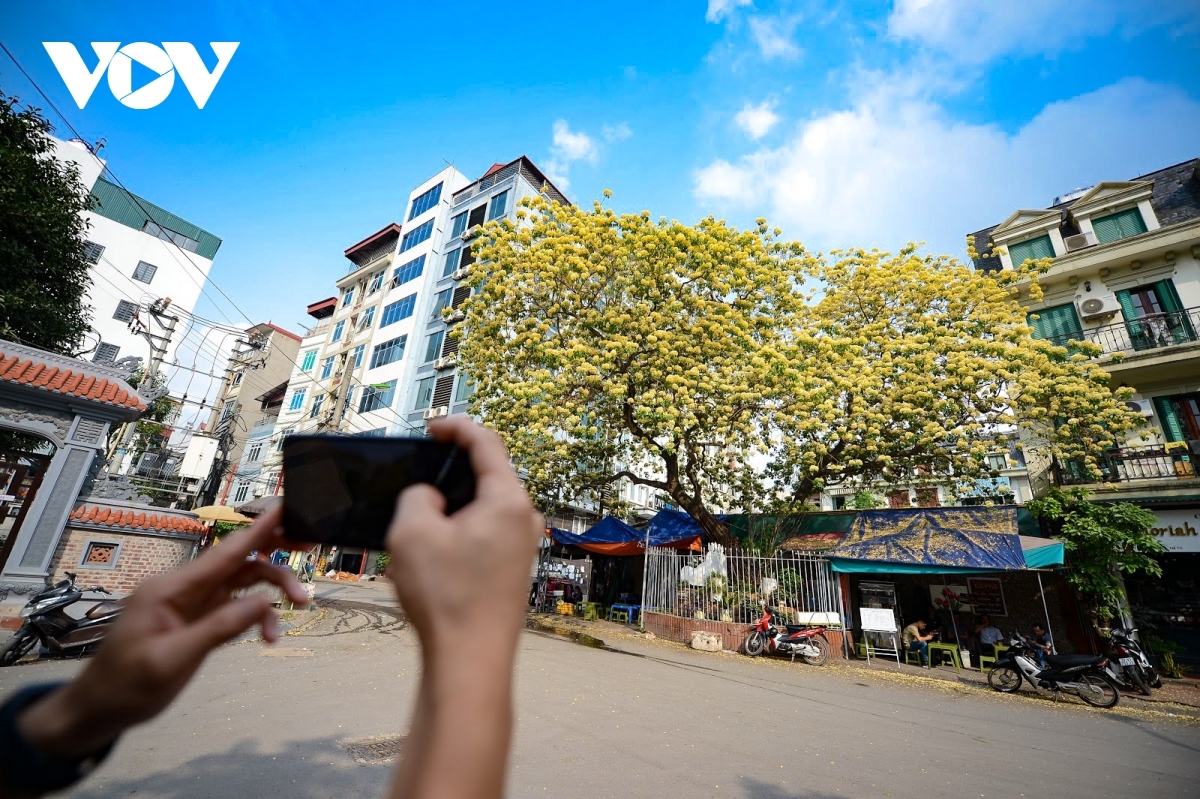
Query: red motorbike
point(771, 634)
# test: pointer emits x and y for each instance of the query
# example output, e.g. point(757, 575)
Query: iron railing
point(1131, 463)
point(1140, 335)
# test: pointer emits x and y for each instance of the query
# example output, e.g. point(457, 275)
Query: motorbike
point(771, 634)
point(61, 635)
point(1082, 675)
point(1128, 664)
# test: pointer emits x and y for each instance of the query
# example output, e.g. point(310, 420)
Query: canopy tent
point(611, 536)
point(1041, 553)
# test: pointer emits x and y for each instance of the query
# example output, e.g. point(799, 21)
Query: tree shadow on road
point(298, 770)
point(757, 789)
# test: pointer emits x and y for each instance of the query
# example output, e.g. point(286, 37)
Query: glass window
point(92, 252)
point(410, 271)
point(166, 234)
point(106, 353)
point(254, 452)
point(237, 378)
point(377, 397)
point(499, 205)
point(1120, 225)
point(400, 309)
point(424, 393)
point(241, 492)
point(433, 345)
point(442, 300)
point(357, 355)
point(415, 236)
point(297, 399)
point(367, 319)
point(388, 352)
point(347, 296)
point(376, 283)
point(327, 367)
point(1041, 247)
point(464, 390)
point(144, 272)
point(318, 401)
point(337, 330)
point(458, 224)
point(451, 263)
point(426, 201)
point(997, 462)
point(125, 310)
point(310, 360)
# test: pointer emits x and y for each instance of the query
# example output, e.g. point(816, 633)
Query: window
point(237, 378)
point(451, 263)
point(1154, 316)
point(357, 355)
point(310, 360)
point(499, 205)
point(125, 310)
point(297, 399)
point(92, 252)
point(376, 283)
point(242, 492)
point(476, 217)
point(442, 300)
point(410, 271)
point(327, 367)
point(144, 272)
point(318, 401)
point(415, 236)
point(337, 330)
point(464, 390)
point(425, 202)
point(377, 396)
point(458, 224)
point(400, 309)
point(166, 234)
point(283, 437)
point(228, 408)
point(1120, 225)
point(388, 352)
point(254, 453)
point(106, 353)
point(100, 555)
point(368, 318)
point(1059, 324)
point(442, 390)
point(424, 393)
point(378, 432)
point(1034, 248)
point(349, 399)
point(927, 497)
point(997, 462)
point(433, 345)
point(899, 499)
point(347, 296)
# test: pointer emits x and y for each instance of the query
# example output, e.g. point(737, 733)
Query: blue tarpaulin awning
point(611, 536)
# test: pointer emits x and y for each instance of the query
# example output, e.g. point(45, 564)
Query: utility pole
point(118, 461)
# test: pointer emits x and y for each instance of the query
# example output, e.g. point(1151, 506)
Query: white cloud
point(978, 31)
point(569, 146)
point(616, 133)
point(719, 9)
point(773, 35)
point(756, 121)
point(893, 169)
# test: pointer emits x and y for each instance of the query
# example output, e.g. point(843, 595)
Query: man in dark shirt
point(1042, 645)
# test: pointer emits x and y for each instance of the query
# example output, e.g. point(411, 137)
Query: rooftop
point(269, 326)
point(322, 308)
point(119, 205)
point(27, 366)
point(374, 245)
point(498, 172)
point(159, 520)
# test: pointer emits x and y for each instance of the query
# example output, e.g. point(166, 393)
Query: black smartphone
point(343, 489)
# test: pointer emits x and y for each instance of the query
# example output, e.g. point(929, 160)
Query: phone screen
point(343, 489)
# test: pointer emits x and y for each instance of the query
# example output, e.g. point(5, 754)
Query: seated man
point(916, 640)
point(987, 635)
point(1042, 645)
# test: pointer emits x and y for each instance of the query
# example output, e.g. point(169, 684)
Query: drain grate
point(380, 751)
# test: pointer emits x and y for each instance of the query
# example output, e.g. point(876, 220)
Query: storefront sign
point(1178, 530)
point(572, 571)
point(950, 597)
point(987, 596)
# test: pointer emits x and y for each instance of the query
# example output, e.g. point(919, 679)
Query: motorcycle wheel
point(822, 647)
point(1005, 679)
point(17, 647)
point(1100, 691)
point(755, 643)
point(1139, 682)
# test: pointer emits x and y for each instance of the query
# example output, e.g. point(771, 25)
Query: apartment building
point(141, 256)
point(1126, 276)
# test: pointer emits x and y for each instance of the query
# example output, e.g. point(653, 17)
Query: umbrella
point(257, 507)
point(220, 513)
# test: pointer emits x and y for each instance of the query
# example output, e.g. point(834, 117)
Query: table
point(632, 610)
point(950, 649)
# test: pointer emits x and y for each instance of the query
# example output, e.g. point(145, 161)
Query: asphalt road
point(648, 720)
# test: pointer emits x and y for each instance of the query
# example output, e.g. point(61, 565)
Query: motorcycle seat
point(109, 607)
point(1068, 661)
point(795, 628)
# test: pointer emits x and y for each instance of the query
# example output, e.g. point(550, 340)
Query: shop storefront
point(1169, 606)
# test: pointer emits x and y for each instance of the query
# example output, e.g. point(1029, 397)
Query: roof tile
point(66, 381)
point(113, 517)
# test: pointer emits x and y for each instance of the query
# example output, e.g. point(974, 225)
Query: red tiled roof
point(392, 229)
point(495, 168)
point(38, 374)
point(281, 331)
point(116, 517)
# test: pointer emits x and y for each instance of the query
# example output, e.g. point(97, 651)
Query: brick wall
point(677, 628)
point(141, 556)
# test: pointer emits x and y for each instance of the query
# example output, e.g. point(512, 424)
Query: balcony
point(1141, 335)
point(1132, 464)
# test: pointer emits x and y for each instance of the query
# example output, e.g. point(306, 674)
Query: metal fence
point(732, 587)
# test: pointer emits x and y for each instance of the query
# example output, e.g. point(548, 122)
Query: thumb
point(421, 505)
point(229, 620)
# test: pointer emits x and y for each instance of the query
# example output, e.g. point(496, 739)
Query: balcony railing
point(1133, 463)
point(1152, 332)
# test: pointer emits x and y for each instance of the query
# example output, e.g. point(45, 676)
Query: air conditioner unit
point(433, 413)
point(457, 316)
point(1079, 241)
point(1144, 407)
point(445, 363)
point(459, 274)
point(469, 233)
point(1094, 307)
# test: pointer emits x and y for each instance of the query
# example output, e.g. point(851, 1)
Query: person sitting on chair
point(986, 637)
point(916, 640)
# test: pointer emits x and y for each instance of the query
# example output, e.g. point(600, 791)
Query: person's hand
point(468, 573)
point(162, 636)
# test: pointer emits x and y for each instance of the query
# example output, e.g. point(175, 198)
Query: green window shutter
point(1058, 324)
point(1178, 323)
point(1120, 225)
point(1107, 229)
point(1041, 247)
point(1167, 296)
point(1138, 336)
point(1172, 426)
point(1128, 309)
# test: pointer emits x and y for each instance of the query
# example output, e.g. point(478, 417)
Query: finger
point(420, 506)
point(223, 624)
point(489, 457)
point(257, 571)
point(222, 562)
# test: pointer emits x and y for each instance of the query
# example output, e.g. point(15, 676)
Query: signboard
point(987, 596)
point(880, 620)
point(955, 598)
point(1178, 530)
point(572, 571)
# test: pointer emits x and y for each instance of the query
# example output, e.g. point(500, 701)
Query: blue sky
point(847, 124)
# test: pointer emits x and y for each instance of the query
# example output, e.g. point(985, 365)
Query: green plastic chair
point(621, 616)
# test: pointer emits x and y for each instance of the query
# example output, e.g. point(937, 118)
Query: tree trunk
point(715, 531)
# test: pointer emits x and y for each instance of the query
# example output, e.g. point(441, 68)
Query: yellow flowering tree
point(610, 347)
point(910, 369)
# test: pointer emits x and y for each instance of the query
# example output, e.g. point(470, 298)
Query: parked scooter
point(1083, 675)
point(1128, 664)
point(771, 634)
point(60, 635)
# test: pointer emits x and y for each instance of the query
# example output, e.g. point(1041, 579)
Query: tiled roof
point(162, 521)
point(75, 382)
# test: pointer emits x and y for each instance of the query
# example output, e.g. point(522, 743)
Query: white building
point(140, 254)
